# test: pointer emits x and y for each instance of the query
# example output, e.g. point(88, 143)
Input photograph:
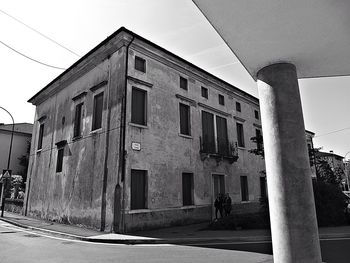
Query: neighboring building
point(335, 161)
point(311, 151)
point(20, 146)
point(157, 161)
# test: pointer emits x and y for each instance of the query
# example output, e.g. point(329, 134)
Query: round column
point(291, 202)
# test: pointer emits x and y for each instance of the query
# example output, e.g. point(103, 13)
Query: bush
point(330, 204)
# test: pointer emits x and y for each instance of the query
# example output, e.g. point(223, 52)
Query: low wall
point(141, 220)
point(14, 205)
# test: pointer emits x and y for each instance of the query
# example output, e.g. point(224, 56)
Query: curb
point(183, 241)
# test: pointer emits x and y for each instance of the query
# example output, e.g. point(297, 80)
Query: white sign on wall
point(136, 146)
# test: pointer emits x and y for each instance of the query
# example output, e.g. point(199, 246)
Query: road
point(18, 246)
point(335, 250)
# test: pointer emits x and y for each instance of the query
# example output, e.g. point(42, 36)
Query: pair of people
point(223, 203)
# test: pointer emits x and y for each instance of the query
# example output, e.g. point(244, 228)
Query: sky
point(176, 25)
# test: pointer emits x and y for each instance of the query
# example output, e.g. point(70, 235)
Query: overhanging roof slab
point(314, 35)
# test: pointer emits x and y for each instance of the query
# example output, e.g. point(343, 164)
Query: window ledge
point(76, 138)
point(188, 207)
point(96, 131)
point(241, 148)
point(138, 211)
point(39, 151)
point(246, 202)
point(138, 125)
point(185, 136)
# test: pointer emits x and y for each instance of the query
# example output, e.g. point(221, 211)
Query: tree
point(330, 202)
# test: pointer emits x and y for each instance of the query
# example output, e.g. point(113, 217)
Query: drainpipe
point(122, 151)
point(105, 168)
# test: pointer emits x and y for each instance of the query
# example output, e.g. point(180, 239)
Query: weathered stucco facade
point(93, 188)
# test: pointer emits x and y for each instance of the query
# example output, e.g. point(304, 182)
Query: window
point(59, 162)
point(240, 134)
point(138, 106)
point(140, 64)
point(185, 123)
point(208, 142)
point(221, 99)
point(222, 140)
point(238, 106)
point(204, 92)
point(259, 140)
point(138, 189)
point(187, 189)
point(256, 113)
point(263, 187)
point(97, 113)
point(78, 120)
point(41, 135)
point(244, 188)
point(183, 83)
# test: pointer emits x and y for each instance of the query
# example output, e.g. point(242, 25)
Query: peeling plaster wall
point(75, 194)
point(166, 155)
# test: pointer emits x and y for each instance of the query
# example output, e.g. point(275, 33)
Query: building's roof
point(136, 36)
point(310, 132)
point(22, 127)
point(329, 154)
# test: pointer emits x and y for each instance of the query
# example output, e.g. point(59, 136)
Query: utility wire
point(41, 34)
point(347, 128)
point(37, 61)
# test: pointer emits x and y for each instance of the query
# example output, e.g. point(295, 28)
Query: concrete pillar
point(292, 210)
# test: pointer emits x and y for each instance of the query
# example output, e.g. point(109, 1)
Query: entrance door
point(218, 188)
point(218, 184)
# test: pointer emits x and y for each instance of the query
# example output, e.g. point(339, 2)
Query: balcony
point(220, 151)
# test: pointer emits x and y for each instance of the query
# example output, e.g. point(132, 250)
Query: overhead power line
point(37, 61)
point(41, 34)
point(347, 128)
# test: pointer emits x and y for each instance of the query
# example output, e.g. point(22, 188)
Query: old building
point(22, 136)
point(132, 136)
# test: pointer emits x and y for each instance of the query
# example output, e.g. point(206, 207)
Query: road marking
point(82, 241)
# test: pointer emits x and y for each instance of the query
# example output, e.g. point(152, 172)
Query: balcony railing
point(219, 153)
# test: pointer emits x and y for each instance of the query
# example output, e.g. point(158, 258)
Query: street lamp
point(8, 165)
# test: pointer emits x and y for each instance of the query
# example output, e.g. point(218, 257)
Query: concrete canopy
point(314, 35)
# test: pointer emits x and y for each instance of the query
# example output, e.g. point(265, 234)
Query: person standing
point(227, 204)
point(218, 204)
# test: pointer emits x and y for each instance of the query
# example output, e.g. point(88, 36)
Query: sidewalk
point(189, 234)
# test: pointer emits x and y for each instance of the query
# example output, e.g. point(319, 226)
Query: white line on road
point(8, 226)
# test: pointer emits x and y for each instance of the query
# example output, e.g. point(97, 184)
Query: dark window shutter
point(138, 107)
point(221, 127)
point(140, 64)
point(41, 135)
point(185, 119)
point(59, 162)
point(240, 135)
point(97, 114)
point(259, 144)
point(244, 188)
point(183, 83)
point(238, 106)
point(221, 99)
point(256, 114)
point(77, 120)
point(204, 92)
point(208, 132)
point(187, 189)
point(138, 189)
